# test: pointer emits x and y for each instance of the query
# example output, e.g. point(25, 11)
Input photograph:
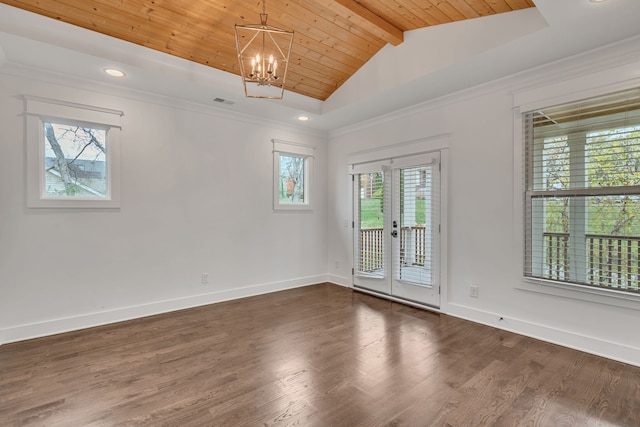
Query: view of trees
point(371, 200)
point(611, 159)
point(607, 255)
point(292, 179)
point(78, 156)
point(412, 231)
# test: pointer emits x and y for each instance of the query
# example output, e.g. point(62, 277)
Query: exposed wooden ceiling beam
point(368, 20)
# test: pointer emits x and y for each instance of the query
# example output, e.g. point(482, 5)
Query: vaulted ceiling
point(333, 38)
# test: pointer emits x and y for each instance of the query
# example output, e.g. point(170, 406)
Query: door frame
point(439, 143)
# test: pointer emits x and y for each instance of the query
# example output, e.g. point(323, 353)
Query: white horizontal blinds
point(582, 180)
point(370, 219)
point(414, 262)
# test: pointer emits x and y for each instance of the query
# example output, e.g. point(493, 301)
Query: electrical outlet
point(337, 265)
point(473, 291)
point(205, 278)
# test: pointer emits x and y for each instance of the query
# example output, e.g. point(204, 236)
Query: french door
point(397, 228)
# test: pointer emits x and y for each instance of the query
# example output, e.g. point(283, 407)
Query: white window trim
point(299, 150)
point(39, 110)
point(395, 151)
point(529, 99)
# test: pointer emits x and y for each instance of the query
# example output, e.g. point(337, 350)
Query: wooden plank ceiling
point(333, 38)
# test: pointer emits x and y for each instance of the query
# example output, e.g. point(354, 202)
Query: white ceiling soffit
point(426, 51)
point(432, 62)
point(503, 45)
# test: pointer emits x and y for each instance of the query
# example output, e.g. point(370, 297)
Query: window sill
point(293, 207)
point(582, 293)
point(73, 203)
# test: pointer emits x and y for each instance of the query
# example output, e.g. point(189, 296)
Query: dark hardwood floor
point(316, 356)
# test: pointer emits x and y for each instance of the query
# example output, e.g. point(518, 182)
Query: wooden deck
point(316, 356)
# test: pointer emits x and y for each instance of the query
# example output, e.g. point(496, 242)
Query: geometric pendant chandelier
point(263, 53)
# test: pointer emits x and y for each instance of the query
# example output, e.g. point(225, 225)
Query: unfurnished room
point(348, 213)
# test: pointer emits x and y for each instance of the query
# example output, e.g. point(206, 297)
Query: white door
point(396, 228)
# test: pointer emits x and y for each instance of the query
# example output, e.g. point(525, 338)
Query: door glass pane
point(416, 225)
point(371, 223)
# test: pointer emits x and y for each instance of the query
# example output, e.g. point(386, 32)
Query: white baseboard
point(596, 346)
point(611, 350)
point(599, 347)
point(83, 321)
point(339, 280)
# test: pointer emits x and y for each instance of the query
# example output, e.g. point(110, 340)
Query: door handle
point(394, 233)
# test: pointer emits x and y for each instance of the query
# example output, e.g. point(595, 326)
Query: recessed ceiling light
point(597, 1)
point(114, 72)
point(303, 118)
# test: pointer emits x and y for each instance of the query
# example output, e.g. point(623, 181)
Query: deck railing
point(372, 241)
point(413, 245)
point(611, 261)
point(371, 249)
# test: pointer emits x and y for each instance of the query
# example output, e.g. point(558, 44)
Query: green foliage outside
point(612, 159)
point(371, 215)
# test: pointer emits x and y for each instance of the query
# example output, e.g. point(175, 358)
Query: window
point(72, 155)
point(74, 161)
point(292, 166)
point(582, 192)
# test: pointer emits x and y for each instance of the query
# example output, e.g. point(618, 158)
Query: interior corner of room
point(213, 196)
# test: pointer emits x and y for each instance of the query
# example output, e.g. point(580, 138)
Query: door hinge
point(439, 228)
point(439, 167)
point(353, 224)
point(353, 178)
point(353, 271)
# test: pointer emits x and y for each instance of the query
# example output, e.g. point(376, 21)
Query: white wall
point(196, 198)
point(485, 231)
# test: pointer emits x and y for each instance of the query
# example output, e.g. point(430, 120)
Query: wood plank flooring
point(316, 356)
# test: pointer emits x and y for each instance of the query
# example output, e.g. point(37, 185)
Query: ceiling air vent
point(223, 101)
